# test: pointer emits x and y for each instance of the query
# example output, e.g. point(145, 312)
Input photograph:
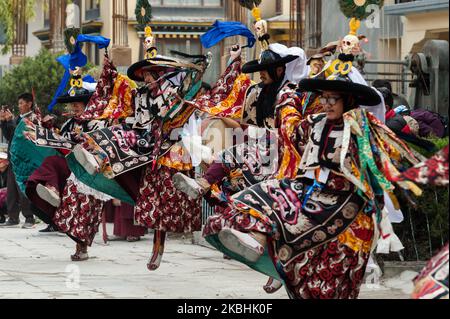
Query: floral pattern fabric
point(160, 206)
point(319, 223)
point(102, 95)
point(79, 215)
point(431, 172)
point(432, 282)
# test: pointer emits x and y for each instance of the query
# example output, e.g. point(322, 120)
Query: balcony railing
point(187, 3)
point(402, 7)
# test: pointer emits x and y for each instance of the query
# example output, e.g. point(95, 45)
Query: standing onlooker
point(124, 228)
point(16, 201)
point(3, 168)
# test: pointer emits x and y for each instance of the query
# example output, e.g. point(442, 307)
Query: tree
point(7, 15)
point(41, 74)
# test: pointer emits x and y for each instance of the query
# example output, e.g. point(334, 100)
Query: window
point(173, 3)
point(93, 53)
point(92, 9)
point(313, 23)
point(279, 7)
point(47, 14)
point(92, 4)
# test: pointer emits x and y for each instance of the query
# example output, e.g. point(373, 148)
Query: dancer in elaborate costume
point(159, 205)
point(318, 227)
point(268, 106)
point(69, 205)
point(143, 156)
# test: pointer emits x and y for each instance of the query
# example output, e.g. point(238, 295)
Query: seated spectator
point(398, 100)
point(430, 123)
point(395, 121)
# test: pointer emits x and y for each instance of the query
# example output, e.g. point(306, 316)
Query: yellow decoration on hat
point(148, 31)
point(354, 24)
point(76, 83)
point(341, 67)
point(151, 54)
point(256, 13)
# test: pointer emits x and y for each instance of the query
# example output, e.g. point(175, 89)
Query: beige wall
point(418, 27)
point(268, 8)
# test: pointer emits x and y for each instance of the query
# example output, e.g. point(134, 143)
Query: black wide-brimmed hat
point(269, 59)
point(363, 94)
point(75, 95)
point(135, 72)
point(318, 56)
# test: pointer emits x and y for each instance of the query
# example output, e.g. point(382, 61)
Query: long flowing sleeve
point(221, 90)
point(288, 118)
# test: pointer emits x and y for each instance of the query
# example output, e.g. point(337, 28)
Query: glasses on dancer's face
point(331, 100)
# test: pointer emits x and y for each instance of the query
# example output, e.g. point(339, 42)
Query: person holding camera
point(16, 201)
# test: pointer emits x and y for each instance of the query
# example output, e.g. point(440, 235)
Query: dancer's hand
point(235, 51)
point(7, 115)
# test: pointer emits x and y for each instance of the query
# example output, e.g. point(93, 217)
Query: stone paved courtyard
point(33, 265)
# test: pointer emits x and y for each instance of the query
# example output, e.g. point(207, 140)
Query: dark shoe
point(10, 223)
point(49, 229)
point(30, 223)
point(2, 219)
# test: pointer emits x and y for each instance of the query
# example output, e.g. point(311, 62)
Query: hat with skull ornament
point(269, 57)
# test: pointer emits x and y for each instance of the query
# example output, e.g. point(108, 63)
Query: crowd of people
point(302, 194)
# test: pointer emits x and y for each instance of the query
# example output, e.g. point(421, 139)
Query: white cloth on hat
point(378, 110)
point(296, 70)
point(357, 77)
point(91, 87)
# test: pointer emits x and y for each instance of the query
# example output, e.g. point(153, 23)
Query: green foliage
point(41, 73)
point(249, 4)
point(351, 10)
point(439, 142)
point(425, 228)
point(7, 14)
point(143, 12)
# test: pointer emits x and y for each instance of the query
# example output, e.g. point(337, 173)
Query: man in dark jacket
point(16, 201)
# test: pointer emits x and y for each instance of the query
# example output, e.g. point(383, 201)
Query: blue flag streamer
point(222, 30)
point(76, 59)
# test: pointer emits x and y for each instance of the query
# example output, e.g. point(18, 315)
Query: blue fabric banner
point(222, 30)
